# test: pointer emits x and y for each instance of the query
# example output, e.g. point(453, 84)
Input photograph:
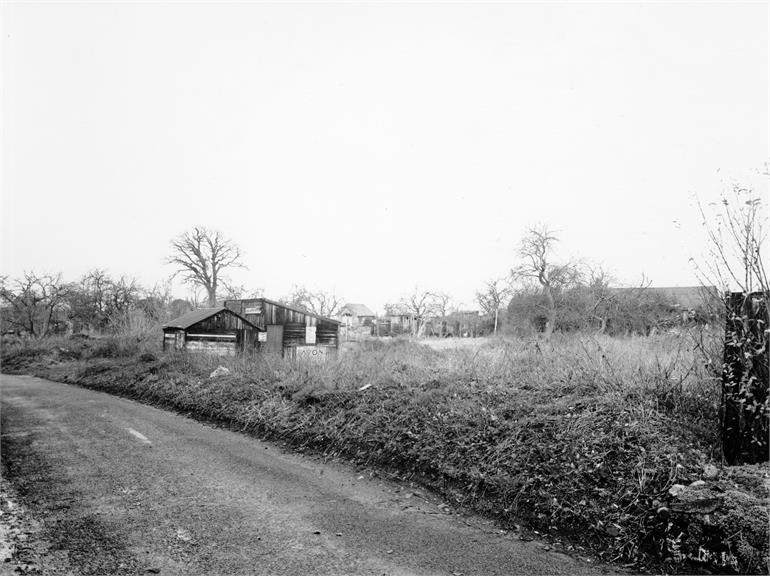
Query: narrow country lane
point(123, 488)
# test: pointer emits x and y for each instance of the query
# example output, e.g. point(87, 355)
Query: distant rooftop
point(687, 296)
point(355, 310)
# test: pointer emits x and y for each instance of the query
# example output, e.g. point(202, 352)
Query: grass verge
point(610, 443)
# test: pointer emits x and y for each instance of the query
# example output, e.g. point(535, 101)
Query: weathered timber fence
point(745, 381)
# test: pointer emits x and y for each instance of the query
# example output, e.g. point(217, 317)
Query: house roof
point(685, 296)
point(195, 316)
point(356, 310)
point(688, 296)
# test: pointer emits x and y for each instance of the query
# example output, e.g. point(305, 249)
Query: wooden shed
point(289, 331)
point(213, 330)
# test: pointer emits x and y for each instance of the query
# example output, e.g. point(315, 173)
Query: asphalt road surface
point(124, 488)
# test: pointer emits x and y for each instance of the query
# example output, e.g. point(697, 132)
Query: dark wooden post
point(744, 410)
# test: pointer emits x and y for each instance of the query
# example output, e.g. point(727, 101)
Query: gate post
point(744, 408)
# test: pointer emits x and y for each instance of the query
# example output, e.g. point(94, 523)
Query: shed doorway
point(274, 338)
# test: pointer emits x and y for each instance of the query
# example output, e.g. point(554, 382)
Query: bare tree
point(124, 293)
point(89, 300)
point(631, 310)
point(442, 303)
point(736, 233)
point(33, 303)
point(602, 296)
point(536, 251)
point(201, 255)
point(156, 302)
point(297, 299)
point(324, 303)
point(241, 292)
point(318, 302)
point(195, 297)
point(491, 298)
point(420, 305)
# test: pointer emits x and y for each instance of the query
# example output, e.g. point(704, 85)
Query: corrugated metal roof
point(192, 318)
point(356, 310)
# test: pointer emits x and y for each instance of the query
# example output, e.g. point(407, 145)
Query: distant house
point(398, 319)
point(358, 321)
point(213, 330)
point(687, 297)
point(354, 315)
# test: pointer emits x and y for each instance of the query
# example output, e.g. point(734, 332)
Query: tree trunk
point(602, 325)
point(550, 312)
point(212, 296)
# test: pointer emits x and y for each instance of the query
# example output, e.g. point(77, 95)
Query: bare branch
point(34, 303)
point(201, 255)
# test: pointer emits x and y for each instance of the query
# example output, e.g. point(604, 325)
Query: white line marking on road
point(141, 437)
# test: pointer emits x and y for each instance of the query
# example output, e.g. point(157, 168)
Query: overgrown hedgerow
point(581, 438)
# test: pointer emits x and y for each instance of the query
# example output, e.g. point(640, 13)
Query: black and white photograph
point(384, 288)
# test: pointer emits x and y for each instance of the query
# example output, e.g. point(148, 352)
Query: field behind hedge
point(585, 438)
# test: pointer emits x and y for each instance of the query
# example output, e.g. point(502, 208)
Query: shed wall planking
point(269, 315)
point(207, 346)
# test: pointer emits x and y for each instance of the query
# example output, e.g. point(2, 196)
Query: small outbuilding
point(213, 330)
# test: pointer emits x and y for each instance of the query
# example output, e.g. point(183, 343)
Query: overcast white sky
point(372, 148)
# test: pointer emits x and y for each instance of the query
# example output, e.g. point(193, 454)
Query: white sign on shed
point(309, 334)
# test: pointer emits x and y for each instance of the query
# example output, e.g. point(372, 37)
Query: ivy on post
point(744, 411)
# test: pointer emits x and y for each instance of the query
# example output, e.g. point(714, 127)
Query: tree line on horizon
point(538, 294)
